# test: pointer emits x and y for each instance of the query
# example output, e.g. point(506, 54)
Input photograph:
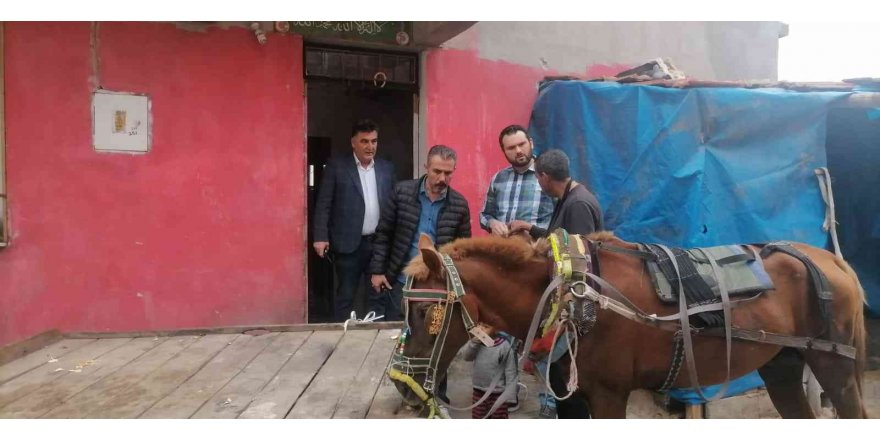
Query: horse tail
point(859, 334)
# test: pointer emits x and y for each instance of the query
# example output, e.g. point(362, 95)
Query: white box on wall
point(121, 122)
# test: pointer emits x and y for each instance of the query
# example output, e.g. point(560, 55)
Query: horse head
point(486, 280)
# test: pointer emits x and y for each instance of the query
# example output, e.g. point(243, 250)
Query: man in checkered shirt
point(514, 193)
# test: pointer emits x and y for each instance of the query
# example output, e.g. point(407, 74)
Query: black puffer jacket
point(400, 220)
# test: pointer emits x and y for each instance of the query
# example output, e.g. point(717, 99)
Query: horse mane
point(510, 253)
point(602, 236)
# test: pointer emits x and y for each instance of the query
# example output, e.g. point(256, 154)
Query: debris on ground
point(257, 332)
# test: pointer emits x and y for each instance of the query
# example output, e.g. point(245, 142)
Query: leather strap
point(798, 342)
point(536, 319)
point(619, 250)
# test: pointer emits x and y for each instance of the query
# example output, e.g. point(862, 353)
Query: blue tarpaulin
point(693, 167)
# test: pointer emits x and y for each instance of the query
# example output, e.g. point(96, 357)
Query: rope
point(571, 386)
point(370, 317)
point(830, 223)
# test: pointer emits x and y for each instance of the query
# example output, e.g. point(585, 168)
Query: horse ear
point(432, 259)
point(425, 242)
point(522, 236)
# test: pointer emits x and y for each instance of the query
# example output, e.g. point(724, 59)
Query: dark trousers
point(351, 269)
point(576, 406)
point(388, 302)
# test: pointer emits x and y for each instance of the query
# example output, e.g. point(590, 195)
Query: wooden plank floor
point(320, 374)
point(303, 374)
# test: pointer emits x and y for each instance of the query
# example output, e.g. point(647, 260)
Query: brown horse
point(503, 280)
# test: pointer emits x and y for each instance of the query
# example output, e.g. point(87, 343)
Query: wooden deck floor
point(303, 374)
point(306, 374)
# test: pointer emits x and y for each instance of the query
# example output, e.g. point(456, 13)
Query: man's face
point(365, 145)
point(517, 149)
point(439, 174)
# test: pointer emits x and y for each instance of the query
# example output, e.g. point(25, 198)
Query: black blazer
point(339, 209)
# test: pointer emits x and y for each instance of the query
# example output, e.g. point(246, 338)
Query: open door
point(333, 105)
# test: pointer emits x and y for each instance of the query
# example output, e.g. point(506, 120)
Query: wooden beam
point(16, 350)
point(694, 411)
point(235, 329)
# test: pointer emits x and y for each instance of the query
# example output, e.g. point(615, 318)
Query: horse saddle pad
point(743, 274)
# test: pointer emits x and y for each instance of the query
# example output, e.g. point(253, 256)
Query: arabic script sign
point(393, 32)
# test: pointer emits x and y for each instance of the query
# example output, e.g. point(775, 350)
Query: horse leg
point(783, 377)
point(838, 378)
point(607, 403)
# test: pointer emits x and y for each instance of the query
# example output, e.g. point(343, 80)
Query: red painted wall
point(207, 229)
point(470, 100)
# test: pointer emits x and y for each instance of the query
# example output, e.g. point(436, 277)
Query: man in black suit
point(347, 212)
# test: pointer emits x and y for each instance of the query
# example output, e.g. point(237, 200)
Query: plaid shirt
point(513, 196)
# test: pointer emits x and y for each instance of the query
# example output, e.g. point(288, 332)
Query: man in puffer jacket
point(427, 205)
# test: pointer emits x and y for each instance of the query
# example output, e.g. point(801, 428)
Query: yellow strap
point(551, 318)
point(410, 382)
point(562, 260)
point(566, 266)
point(433, 409)
point(554, 244)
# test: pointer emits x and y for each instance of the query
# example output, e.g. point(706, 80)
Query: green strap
point(437, 349)
point(455, 285)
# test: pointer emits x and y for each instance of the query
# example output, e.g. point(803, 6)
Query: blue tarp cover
point(693, 167)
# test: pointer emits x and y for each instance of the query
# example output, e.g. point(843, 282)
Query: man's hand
point(517, 226)
point(378, 281)
point(498, 228)
point(321, 248)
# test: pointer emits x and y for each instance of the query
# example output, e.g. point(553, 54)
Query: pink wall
point(207, 229)
point(470, 100)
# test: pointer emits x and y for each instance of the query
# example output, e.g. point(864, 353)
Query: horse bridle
point(402, 368)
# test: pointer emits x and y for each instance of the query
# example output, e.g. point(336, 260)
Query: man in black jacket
point(426, 205)
point(347, 211)
point(578, 212)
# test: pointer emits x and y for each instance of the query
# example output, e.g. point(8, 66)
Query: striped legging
point(480, 411)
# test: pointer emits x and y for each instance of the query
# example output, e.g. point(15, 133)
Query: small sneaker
point(516, 403)
point(548, 407)
point(443, 413)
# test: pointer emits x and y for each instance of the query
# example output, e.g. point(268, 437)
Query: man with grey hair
point(577, 210)
point(426, 205)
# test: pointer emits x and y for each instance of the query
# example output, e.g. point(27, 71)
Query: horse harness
point(402, 368)
point(577, 265)
point(578, 293)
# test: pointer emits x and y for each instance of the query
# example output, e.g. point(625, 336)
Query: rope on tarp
point(830, 224)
